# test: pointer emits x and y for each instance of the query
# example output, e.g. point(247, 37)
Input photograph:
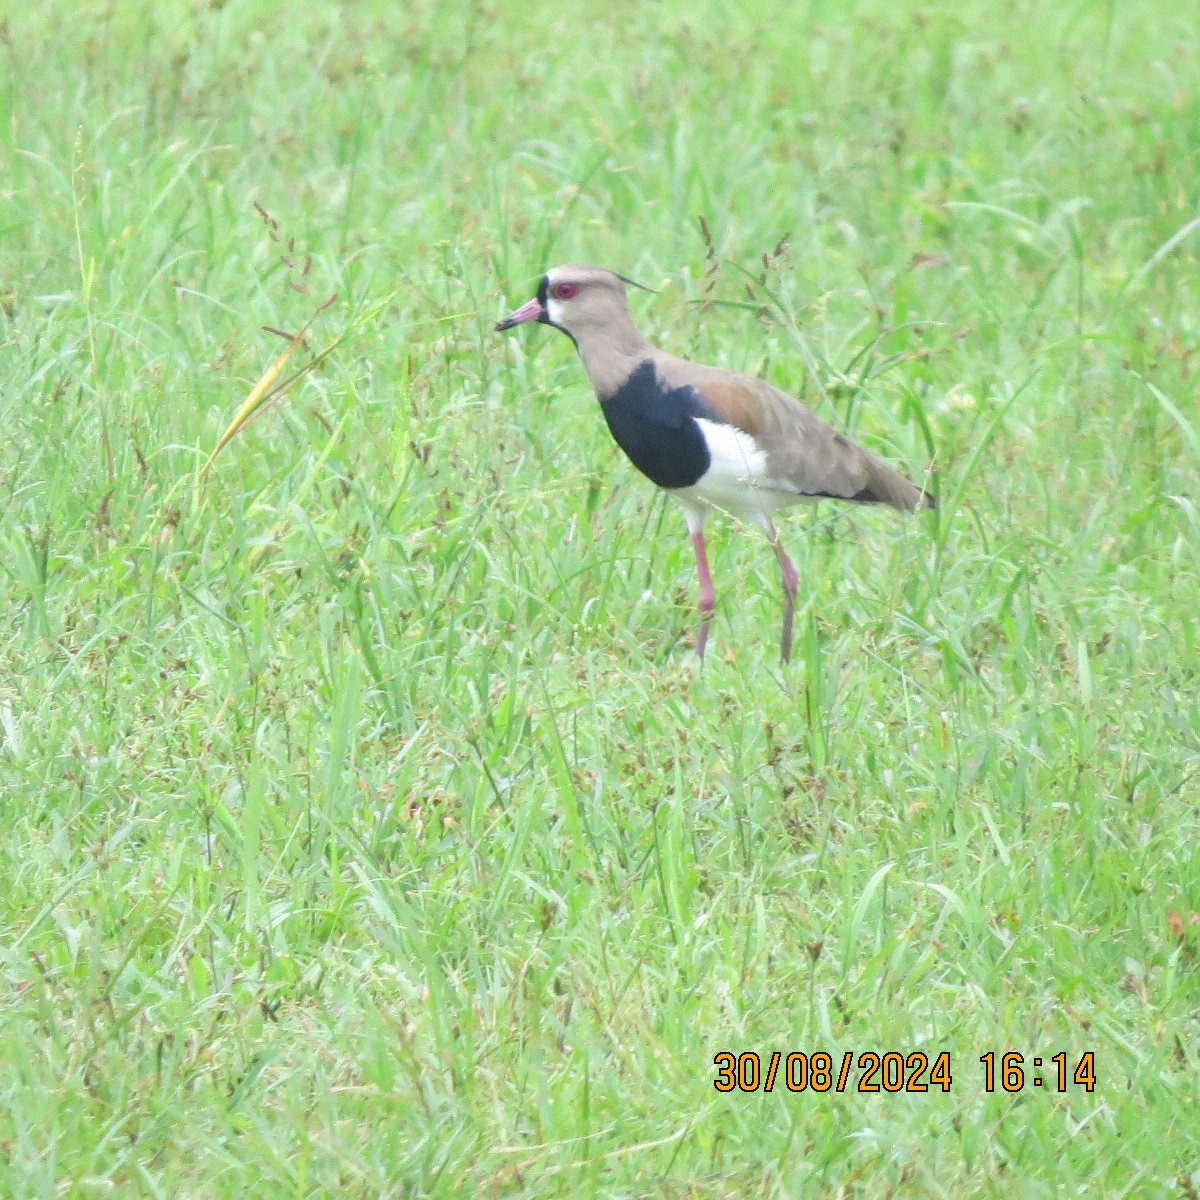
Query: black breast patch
point(656, 427)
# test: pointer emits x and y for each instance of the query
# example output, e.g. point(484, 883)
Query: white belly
point(736, 481)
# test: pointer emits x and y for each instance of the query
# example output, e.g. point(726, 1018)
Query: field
point(367, 825)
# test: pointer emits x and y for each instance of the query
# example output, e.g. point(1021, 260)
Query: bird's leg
point(707, 600)
point(791, 582)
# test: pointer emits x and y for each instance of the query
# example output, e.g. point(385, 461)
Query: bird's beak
point(532, 310)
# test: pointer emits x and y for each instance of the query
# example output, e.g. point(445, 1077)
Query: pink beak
point(532, 310)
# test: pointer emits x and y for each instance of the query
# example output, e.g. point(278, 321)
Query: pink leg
point(707, 600)
point(791, 583)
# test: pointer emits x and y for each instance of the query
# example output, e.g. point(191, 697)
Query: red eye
point(564, 291)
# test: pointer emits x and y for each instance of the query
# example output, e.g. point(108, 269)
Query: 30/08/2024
point(888, 1072)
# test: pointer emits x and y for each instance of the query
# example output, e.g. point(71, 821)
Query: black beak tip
point(501, 326)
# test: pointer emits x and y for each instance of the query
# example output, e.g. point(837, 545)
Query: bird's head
point(578, 299)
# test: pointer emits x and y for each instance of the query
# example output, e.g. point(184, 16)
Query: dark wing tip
point(903, 500)
point(865, 496)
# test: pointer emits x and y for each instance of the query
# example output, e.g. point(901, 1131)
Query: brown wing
point(804, 454)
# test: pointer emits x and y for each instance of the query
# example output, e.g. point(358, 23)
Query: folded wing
point(805, 455)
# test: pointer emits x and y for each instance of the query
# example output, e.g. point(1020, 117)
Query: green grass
point(366, 826)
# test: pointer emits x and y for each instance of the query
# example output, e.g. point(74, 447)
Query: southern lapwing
point(711, 438)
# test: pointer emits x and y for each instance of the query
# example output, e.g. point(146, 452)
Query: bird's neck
point(611, 356)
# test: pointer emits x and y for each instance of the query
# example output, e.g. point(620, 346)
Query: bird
point(712, 438)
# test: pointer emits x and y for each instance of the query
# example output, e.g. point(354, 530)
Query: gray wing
point(805, 455)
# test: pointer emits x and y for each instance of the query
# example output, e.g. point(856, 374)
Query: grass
point(366, 826)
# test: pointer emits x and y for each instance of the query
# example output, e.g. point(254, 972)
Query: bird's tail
point(888, 486)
